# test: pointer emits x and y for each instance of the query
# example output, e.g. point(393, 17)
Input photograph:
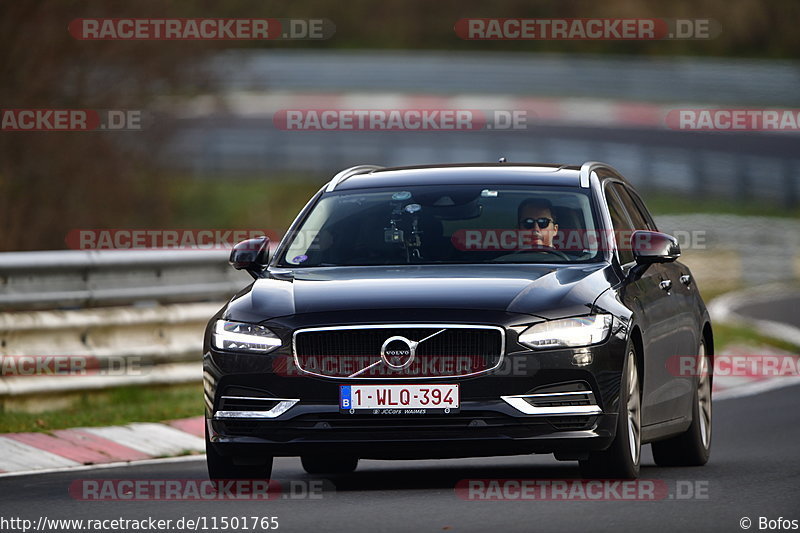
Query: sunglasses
point(529, 223)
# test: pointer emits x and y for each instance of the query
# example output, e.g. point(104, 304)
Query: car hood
point(541, 290)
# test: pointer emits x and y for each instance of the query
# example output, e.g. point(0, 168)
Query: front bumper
point(491, 421)
point(479, 429)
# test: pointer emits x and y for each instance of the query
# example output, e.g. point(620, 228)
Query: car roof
point(465, 174)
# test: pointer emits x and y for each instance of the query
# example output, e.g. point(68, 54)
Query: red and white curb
point(71, 448)
point(728, 387)
point(724, 309)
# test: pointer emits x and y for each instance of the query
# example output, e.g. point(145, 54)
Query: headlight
point(568, 332)
point(244, 337)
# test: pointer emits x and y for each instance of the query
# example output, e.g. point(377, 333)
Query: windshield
point(437, 224)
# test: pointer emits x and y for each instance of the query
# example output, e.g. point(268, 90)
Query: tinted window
point(426, 224)
point(643, 209)
point(639, 221)
point(622, 226)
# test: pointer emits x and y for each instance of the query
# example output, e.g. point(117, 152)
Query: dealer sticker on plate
point(399, 399)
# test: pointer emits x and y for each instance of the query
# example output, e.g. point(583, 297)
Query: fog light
point(582, 358)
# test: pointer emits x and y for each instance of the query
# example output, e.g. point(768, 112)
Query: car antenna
point(502, 160)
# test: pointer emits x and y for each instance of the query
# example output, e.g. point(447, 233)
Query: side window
point(622, 226)
point(639, 219)
point(636, 216)
point(643, 209)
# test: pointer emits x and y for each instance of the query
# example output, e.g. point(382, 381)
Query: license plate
point(399, 399)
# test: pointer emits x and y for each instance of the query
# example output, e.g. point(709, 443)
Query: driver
point(536, 215)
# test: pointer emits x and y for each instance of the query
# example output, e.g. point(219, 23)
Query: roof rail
point(346, 173)
point(590, 166)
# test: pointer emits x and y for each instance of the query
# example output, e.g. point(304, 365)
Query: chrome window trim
point(401, 325)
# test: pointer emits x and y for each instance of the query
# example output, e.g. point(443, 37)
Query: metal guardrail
point(133, 314)
point(49, 355)
point(77, 279)
point(732, 251)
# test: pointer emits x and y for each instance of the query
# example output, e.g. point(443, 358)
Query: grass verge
point(662, 203)
point(729, 335)
point(112, 407)
point(231, 203)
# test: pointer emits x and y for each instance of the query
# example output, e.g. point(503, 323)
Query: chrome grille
point(354, 352)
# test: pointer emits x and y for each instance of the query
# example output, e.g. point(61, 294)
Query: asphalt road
point(781, 308)
point(753, 472)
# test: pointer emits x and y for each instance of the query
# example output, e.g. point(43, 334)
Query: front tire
point(621, 459)
point(223, 468)
point(692, 447)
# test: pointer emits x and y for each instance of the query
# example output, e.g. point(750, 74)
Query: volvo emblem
point(398, 352)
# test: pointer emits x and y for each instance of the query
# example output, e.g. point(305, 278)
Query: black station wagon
point(461, 310)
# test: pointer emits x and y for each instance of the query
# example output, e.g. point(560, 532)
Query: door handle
point(665, 285)
point(686, 279)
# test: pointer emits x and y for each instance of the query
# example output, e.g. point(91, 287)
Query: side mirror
point(251, 255)
point(654, 247)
